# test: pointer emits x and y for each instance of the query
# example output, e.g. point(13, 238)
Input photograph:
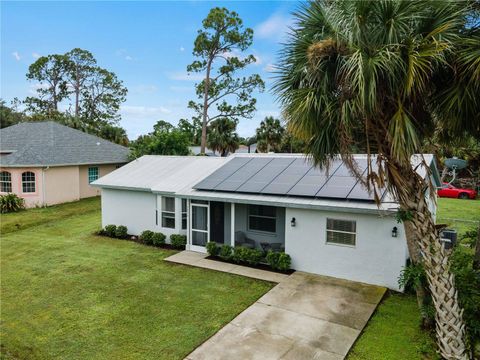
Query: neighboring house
point(195, 150)
point(327, 222)
point(247, 149)
point(47, 163)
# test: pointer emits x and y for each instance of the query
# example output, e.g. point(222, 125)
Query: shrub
point(178, 241)
point(272, 259)
point(278, 260)
point(110, 230)
point(121, 232)
point(226, 252)
point(158, 238)
point(212, 248)
point(147, 237)
point(11, 203)
point(284, 262)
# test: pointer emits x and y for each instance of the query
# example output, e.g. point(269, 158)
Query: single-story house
point(326, 221)
point(46, 163)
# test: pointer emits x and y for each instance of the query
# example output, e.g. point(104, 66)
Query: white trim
point(327, 230)
point(232, 224)
point(191, 230)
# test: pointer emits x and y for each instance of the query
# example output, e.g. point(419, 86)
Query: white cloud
point(182, 48)
point(35, 55)
point(124, 54)
point(275, 27)
point(143, 112)
point(182, 88)
point(16, 55)
point(128, 58)
point(184, 76)
point(145, 89)
point(32, 89)
point(269, 68)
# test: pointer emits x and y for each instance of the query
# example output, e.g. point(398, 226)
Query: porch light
point(394, 231)
point(292, 222)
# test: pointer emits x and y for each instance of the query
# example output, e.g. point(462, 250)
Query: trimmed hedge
point(121, 232)
point(212, 248)
point(147, 237)
point(158, 238)
point(110, 230)
point(278, 260)
point(178, 241)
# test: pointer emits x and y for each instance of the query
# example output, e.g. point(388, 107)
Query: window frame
point(354, 233)
point(29, 182)
point(184, 214)
point(168, 214)
point(90, 176)
point(4, 182)
point(250, 215)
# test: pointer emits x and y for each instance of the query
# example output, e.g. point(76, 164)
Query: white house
point(326, 221)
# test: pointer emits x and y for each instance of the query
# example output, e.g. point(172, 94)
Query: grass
point(394, 333)
point(460, 214)
point(40, 216)
point(67, 294)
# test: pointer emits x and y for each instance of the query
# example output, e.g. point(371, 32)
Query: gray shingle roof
point(49, 143)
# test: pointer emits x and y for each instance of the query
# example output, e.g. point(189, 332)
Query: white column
point(232, 224)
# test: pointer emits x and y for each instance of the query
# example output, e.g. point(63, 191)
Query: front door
point(200, 219)
point(217, 210)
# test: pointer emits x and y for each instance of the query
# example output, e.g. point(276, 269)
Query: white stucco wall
point(134, 209)
point(178, 219)
point(377, 257)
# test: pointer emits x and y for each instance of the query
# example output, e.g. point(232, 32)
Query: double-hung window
point(341, 232)
point(5, 182)
point(28, 182)
point(262, 218)
point(184, 214)
point(92, 174)
point(168, 212)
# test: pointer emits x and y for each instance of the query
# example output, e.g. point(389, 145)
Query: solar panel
point(313, 180)
point(222, 173)
point(266, 175)
point(246, 172)
point(288, 178)
point(337, 187)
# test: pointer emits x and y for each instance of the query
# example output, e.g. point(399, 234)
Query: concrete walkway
point(305, 316)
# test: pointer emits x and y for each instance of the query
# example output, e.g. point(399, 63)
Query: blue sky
point(147, 44)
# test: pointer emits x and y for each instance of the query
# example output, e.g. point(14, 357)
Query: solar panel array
point(287, 176)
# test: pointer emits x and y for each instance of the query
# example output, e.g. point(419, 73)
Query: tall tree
point(391, 71)
point(80, 68)
point(216, 48)
point(269, 134)
point(49, 73)
point(9, 115)
point(222, 136)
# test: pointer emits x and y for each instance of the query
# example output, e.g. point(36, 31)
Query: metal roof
point(181, 175)
point(51, 144)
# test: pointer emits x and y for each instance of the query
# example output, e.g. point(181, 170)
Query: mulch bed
point(136, 239)
point(260, 266)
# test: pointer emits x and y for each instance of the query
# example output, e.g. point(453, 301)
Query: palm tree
point(222, 136)
point(269, 134)
point(388, 73)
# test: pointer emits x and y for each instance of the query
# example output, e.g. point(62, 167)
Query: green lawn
point(67, 294)
point(460, 214)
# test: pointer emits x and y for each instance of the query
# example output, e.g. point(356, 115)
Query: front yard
point(67, 294)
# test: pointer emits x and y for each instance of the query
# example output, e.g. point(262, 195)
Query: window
point(184, 214)
point(92, 174)
point(341, 232)
point(168, 212)
point(5, 182)
point(262, 218)
point(28, 182)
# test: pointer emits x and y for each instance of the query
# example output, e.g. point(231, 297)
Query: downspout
point(43, 185)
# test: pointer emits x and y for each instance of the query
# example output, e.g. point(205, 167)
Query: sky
point(147, 44)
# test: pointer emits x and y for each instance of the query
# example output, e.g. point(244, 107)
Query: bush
point(11, 203)
point(284, 262)
point(278, 260)
point(226, 252)
point(158, 238)
point(212, 248)
point(178, 241)
point(147, 237)
point(246, 255)
point(110, 230)
point(121, 232)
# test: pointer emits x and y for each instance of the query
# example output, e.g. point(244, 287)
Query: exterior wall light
point(394, 231)
point(292, 222)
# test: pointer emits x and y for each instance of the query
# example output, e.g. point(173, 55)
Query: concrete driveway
point(305, 316)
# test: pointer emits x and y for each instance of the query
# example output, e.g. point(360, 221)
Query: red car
point(450, 191)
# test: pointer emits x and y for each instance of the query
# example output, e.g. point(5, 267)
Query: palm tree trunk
point(449, 324)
